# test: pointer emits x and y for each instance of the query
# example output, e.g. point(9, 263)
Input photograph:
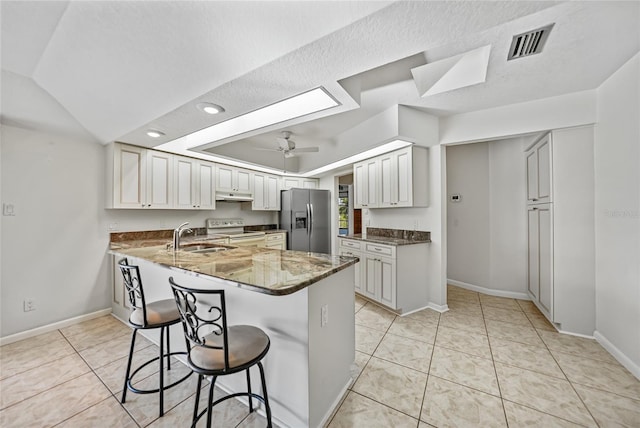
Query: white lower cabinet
point(392, 276)
point(276, 241)
point(540, 275)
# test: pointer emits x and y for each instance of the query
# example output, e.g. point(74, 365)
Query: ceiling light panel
point(291, 108)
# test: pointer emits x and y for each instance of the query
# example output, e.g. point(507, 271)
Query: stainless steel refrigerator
point(306, 215)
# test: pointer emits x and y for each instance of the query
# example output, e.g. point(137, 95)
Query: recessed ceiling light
point(210, 108)
point(153, 133)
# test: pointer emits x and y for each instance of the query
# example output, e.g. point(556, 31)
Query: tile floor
point(487, 362)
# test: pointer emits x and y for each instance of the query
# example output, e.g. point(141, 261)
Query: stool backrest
point(133, 285)
point(203, 312)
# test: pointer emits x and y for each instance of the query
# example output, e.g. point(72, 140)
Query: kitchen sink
point(203, 248)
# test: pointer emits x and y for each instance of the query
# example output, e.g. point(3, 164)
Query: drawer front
point(274, 237)
point(348, 243)
point(384, 250)
point(350, 253)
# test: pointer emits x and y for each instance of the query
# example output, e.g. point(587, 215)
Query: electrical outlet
point(324, 315)
point(29, 305)
point(8, 210)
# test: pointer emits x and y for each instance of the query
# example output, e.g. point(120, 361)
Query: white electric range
point(233, 230)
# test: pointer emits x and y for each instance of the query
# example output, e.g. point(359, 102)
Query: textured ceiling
point(113, 69)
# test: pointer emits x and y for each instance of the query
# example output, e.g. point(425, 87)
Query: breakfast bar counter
point(303, 301)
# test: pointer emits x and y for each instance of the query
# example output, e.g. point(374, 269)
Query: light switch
point(8, 210)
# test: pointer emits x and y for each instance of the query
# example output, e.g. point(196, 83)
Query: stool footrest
point(133, 389)
point(226, 397)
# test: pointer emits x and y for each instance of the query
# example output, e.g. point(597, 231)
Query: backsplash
point(411, 235)
point(152, 234)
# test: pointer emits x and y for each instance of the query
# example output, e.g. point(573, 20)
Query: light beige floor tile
point(425, 316)
point(597, 374)
point(447, 404)
point(521, 416)
point(457, 293)
point(27, 354)
point(104, 322)
point(145, 407)
point(398, 387)
point(611, 410)
point(56, 404)
point(581, 346)
point(474, 372)
point(359, 411)
point(375, 317)
point(528, 306)
point(359, 364)
point(413, 330)
point(464, 341)
point(514, 332)
point(229, 413)
point(254, 420)
point(39, 379)
point(464, 308)
point(461, 321)
point(544, 393)
point(499, 302)
point(505, 315)
point(112, 350)
point(406, 352)
point(367, 339)
point(540, 322)
point(97, 336)
point(113, 373)
point(359, 303)
point(528, 357)
point(107, 413)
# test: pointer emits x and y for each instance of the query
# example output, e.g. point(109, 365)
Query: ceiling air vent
point(529, 43)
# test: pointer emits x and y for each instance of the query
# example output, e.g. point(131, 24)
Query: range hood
point(234, 196)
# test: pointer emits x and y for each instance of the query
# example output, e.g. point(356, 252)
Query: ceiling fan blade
point(267, 150)
point(307, 149)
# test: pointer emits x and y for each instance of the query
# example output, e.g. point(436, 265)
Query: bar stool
point(217, 349)
point(161, 314)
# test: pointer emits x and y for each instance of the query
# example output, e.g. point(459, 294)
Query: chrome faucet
point(177, 233)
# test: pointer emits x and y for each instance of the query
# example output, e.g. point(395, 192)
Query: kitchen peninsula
point(303, 301)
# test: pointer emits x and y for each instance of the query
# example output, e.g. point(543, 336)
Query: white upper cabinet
point(266, 192)
point(141, 178)
point(538, 166)
point(299, 183)
point(232, 179)
point(365, 183)
point(396, 179)
point(194, 183)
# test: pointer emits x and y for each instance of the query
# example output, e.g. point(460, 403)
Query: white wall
point(468, 224)
point(486, 230)
point(54, 248)
point(617, 214)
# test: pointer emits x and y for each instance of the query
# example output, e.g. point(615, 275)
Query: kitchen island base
point(312, 333)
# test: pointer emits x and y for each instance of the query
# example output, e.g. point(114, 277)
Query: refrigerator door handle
point(311, 221)
point(308, 219)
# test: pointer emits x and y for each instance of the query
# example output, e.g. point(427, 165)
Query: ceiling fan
point(288, 146)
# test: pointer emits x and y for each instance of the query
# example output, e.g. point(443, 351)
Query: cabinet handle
point(149, 205)
point(534, 199)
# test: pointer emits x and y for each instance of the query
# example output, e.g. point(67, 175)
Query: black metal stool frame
point(193, 323)
point(135, 292)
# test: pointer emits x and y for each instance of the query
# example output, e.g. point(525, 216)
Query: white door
point(159, 180)
point(258, 203)
point(272, 189)
point(224, 178)
point(369, 282)
point(205, 185)
point(130, 178)
point(184, 170)
point(403, 176)
point(387, 272)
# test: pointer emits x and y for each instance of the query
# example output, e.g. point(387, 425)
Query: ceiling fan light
point(154, 133)
point(210, 108)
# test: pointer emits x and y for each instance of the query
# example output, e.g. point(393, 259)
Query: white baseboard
point(570, 333)
point(51, 327)
point(335, 404)
point(618, 354)
point(489, 291)
point(438, 308)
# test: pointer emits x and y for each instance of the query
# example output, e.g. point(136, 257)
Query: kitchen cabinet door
point(129, 177)
point(232, 179)
point(205, 185)
point(184, 173)
point(266, 192)
point(358, 267)
point(159, 179)
point(387, 281)
point(366, 184)
point(538, 167)
point(369, 283)
point(540, 257)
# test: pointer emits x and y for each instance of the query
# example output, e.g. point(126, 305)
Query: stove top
point(229, 227)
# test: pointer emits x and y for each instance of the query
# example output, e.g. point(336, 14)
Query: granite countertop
point(264, 270)
point(392, 236)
